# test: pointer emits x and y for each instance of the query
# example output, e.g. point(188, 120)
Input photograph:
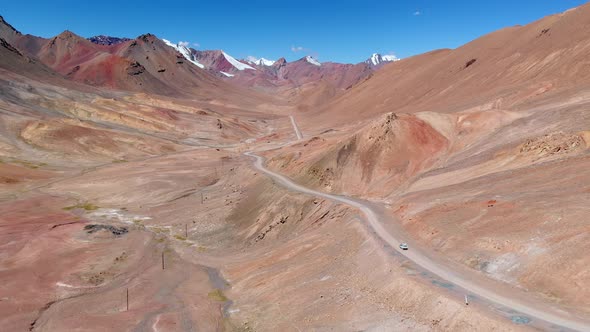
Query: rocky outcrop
point(107, 40)
point(557, 143)
point(6, 45)
point(135, 68)
point(117, 231)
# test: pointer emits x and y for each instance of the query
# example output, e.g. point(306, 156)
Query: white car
point(404, 246)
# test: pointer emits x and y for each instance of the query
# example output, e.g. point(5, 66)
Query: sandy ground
point(240, 251)
point(245, 264)
point(481, 164)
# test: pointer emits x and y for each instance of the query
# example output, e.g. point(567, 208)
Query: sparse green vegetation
point(121, 258)
point(217, 295)
point(180, 237)
point(160, 230)
point(85, 206)
point(245, 328)
point(201, 248)
point(28, 164)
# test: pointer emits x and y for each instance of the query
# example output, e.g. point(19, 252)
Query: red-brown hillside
point(500, 70)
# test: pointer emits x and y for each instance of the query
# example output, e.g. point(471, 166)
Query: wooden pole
point(127, 299)
point(163, 260)
point(186, 231)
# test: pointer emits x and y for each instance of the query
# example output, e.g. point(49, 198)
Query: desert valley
point(149, 186)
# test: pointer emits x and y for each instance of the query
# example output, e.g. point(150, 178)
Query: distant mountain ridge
point(107, 40)
point(377, 59)
point(259, 61)
point(151, 64)
point(268, 74)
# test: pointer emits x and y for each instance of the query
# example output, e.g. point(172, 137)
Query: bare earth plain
point(126, 207)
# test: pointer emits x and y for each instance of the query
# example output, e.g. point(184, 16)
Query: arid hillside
point(139, 191)
point(505, 69)
point(481, 157)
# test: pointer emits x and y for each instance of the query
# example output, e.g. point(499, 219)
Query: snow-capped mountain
point(262, 72)
point(377, 59)
point(237, 64)
point(313, 61)
point(185, 51)
point(259, 61)
point(221, 63)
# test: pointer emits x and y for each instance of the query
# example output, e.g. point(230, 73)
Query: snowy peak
point(259, 61)
point(313, 61)
point(376, 59)
point(265, 62)
point(389, 58)
point(185, 51)
point(239, 65)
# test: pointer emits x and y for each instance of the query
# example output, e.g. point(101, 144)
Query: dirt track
point(375, 221)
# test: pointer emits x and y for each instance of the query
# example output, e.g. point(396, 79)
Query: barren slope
point(502, 70)
point(122, 171)
point(483, 161)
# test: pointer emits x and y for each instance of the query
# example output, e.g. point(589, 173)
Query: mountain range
point(148, 63)
point(148, 185)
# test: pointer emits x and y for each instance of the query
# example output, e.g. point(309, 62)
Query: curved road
point(423, 261)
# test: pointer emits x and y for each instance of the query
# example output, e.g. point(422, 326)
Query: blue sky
point(341, 31)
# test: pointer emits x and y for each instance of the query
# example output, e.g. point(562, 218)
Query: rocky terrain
point(128, 203)
point(107, 40)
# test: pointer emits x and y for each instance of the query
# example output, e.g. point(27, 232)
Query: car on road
point(404, 246)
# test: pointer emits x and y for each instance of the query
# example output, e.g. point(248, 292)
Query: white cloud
point(417, 13)
point(297, 48)
point(196, 44)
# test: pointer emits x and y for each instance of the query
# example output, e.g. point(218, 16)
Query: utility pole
point(127, 298)
point(163, 267)
point(186, 231)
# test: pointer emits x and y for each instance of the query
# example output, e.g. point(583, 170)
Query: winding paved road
point(375, 222)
